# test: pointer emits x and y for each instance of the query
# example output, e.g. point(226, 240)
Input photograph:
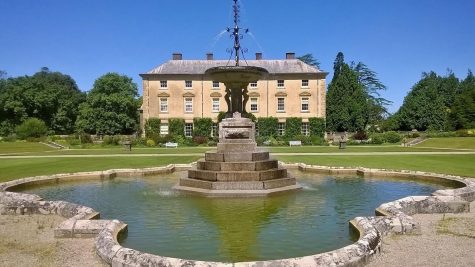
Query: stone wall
point(396, 217)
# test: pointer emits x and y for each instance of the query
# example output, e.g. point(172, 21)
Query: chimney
point(290, 55)
point(258, 56)
point(209, 56)
point(177, 56)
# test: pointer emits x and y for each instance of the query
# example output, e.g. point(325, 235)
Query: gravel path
point(445, 240)
point(29, 240)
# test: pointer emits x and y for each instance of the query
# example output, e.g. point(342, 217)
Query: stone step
point(236, 157)
point(237, 166)
point(239, 147)
point(236, 176)
point(255, 185)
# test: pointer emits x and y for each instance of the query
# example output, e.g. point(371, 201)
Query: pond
point(165, 222)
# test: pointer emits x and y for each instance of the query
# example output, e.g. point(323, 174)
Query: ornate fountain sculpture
point(237, 168)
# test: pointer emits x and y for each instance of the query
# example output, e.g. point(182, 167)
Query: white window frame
point(188, 103)
point(163, 84)
point(305, 101)
point(215, 105)
point(164, 104)
point(279, 105)
point(188, 129)
point(281, 128)
point(280, 83)
point(164, 129)
point(254, 104)
point(253, 85)
point(188, 84)
point(214, 84)
point(305, 129)
point(305, 83)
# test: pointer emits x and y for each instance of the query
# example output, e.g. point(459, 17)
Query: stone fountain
point(237, 168)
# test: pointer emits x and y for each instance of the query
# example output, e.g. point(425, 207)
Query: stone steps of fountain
point(252, 185)
point(236, 157)
point(237, 166)
point(236, 176)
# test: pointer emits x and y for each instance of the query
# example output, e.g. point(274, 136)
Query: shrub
point(360, 135)
point(268, 126)
point(152, 127)
point(293, 127)
point(462, 133)
point(85, 138)
point(31, 128)
point(9, 138)
point(317, 126)
point(139, 141)
point(199, 140)
point(250, 116)
point(318, 141)
point(377, 138)
point(176, 127)
point(202, 126)
point(151, 143)
point(111, 140)
point(221, 116)
point(212, 143)
point(306, 140)
point(392, 137)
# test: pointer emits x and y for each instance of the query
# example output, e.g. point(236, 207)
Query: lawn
point(452, 142)
point(449, 164)
point(23, 147)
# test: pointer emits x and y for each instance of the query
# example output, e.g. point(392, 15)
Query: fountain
point(237, 168)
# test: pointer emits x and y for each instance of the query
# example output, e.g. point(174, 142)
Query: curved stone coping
point(397, 217)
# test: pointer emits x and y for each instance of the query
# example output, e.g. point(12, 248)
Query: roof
point(286, 66)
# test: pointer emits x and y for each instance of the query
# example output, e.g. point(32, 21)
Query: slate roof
point(292, 66)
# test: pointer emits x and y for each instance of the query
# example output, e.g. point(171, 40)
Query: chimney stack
point(209, 56)
point(258, 56)
point(290, 55)
point(177, 56)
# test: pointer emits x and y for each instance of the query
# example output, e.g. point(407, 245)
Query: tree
point(462, 113)
point(310, 60)
point(111, 106)
point(347, 105)
point(52, 97)
point(31, 128)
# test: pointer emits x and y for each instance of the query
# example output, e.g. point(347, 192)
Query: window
point(215, 105)
point(163, 84)
point(163, 129)
point(188, 105)
point(254, 104)
point(305, 130)
point(304, 104)
point(281, 129)
point(188, 129)
point(280, 84)
point(253, 84)
point(164, 104)
point(215, 84)
point(214, 129)
point(304, 83)
point(280, 104)
point(188, 84)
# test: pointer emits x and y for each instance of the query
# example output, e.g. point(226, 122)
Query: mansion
point(181, 89)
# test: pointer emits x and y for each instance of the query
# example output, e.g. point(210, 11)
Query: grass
point(18, 168)
point(452, 142)
point(23, 147)
point(449, 164)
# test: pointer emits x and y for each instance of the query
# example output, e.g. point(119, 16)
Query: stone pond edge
point(393, 217)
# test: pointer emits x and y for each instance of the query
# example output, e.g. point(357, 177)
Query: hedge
point(267, 126)
point(293, 127)
point(202, 126)
point(176, 127)
point(152, 127)
point(317, 126)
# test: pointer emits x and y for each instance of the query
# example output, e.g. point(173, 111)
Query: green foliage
point(377, 138)
point(268, 126)
point(310, 60)
point(176, 127)
point(52, 97)
point(221, 116)
point(293, 127)
point(31, 128)
point(200, 140)
point(111, 140)
point(462, 114)
point(392, 137)
point(317, 126)
point(111, 106)
point(202, 127)
point(347, 107)
point(360, 135)
point(152, 127)
point(250, 116)
point(150, 143)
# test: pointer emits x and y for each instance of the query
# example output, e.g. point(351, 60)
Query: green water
point(162, 221)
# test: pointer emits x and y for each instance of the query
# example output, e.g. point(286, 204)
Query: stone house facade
point(180, 89)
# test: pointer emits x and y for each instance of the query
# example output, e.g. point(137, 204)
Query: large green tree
point(462, 114)
point(347, 105)
point(111, 106)
point(310, 60)
point(52, 97)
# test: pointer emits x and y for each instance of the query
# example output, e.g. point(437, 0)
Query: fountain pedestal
point(237, 168)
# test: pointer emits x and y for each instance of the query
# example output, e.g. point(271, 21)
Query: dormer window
point(280, 83)
point(188, 84)
point(163, 84)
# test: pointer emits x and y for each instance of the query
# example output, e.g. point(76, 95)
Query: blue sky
point(88, 38)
